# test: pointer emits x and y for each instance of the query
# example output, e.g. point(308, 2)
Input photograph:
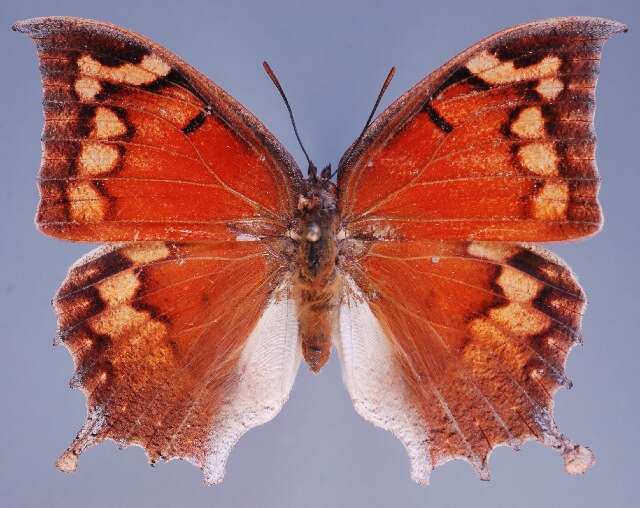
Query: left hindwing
point(179, 348)
point(497, 144)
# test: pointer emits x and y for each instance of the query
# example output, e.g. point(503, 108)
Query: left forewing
point(464, 351)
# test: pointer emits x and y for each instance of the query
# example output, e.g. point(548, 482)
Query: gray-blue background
point(331, 57)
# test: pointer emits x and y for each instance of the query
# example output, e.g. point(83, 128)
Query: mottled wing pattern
point(137, 144)
point(183, 335)
point(177, 349)
point(498, 144)
point(464, 351)
point(453, 336)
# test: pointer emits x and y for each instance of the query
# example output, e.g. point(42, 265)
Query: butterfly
point(222, 266)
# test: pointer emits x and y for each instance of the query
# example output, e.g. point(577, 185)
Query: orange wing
point(459, 347)
point(453, 336)
point(183, 335)
point(177, 348)
point(139, 144)
point(497, 144)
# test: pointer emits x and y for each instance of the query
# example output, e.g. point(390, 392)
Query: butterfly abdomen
point(317, 282)
point(317, 314)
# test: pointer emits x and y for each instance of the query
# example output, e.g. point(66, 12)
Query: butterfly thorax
point(317, 283)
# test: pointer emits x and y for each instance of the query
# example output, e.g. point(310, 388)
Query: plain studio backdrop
point(331, 57)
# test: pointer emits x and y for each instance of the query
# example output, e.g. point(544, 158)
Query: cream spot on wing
point(155, 64)
point(88, 66)
point(87, 88)
point(119, 288)
point(536, 374)
point(115, 321)
point(550, 88)
point(97, 158)
point(529, 123)
point(492, 251)
point(150, 68)
point(246, 237)
point(539, 158)
point(86, 344)
point(107, 124)
point(491, 337)
point(552, 201)
point(146, 252)
point(86, 204)
point(518, 286)
point(489, 68)
point(521, 319)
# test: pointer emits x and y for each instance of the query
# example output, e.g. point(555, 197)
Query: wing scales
point(137, 144)
point(183, 337)
point(176, 348)
point(496, 145)
point(374, 379)
point(480, 333)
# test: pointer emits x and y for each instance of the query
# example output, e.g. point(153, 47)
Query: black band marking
point(195, 123)
point(438, 120)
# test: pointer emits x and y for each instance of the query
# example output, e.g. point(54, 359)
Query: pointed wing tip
point(33, 25)
point(47, 25)
point(607, 27)
point(20, 26)
point(615, 26)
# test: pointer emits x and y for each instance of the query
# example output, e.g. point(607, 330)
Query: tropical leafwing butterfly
point(222, 266)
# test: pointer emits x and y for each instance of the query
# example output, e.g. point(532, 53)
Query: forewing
point(498, 144)
point(139, 145)
point(179, 348)
point(460, 347)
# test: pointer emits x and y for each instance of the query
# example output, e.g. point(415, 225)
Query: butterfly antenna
point(385, 85)
point(273, 77)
